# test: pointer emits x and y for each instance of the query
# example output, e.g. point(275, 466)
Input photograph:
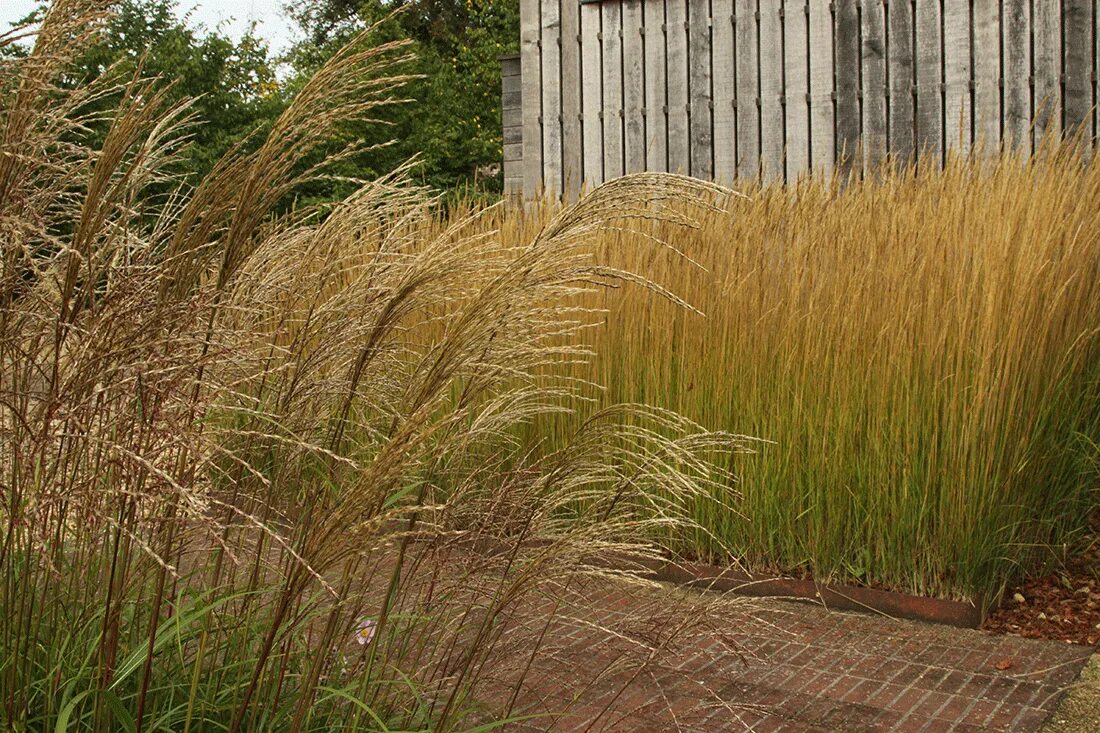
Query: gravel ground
point(1079, 711)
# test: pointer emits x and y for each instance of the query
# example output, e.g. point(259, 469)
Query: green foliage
point(453, 127)
point(233, 83)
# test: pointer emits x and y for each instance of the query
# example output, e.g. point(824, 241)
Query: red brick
point(953, 682)
point(910, 724)
point(884, 696)
point(842, 685)
point(1003, 717)
point(862, 691)
point(908, 700)
point(955, 708)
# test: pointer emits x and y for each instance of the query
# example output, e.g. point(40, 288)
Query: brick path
point(782, 666)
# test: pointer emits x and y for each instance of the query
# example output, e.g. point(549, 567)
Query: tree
point(233, 82)
point(453, 120)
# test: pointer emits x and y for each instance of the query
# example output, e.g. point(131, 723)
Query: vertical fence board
point(956, 75)
point(679, 155)
point(987, 74)
point(572, 144)
point(511, 122)
point(656, 101)
point(612, 89)
point(929, 136)
point(1016, 57)
point(846, 57)
point(1079, 60)
point(531, 71)
point(796, 64)
point(901, 70)
point(1046, 68)
point(592, 93)
point(822, 142)
point(633, 86)
point(873, 59)
point(701, 121)
point(748, 90)
point(723, 89)
point(772, 142)
point(551, 98)
point(724, 84)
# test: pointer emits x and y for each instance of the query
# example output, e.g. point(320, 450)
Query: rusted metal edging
point(831, 595)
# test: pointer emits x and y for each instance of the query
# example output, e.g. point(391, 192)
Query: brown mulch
point(1062, 606)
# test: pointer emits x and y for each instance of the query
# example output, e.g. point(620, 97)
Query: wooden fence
point(724, 89)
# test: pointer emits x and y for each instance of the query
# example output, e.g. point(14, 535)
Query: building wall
point(728, 89)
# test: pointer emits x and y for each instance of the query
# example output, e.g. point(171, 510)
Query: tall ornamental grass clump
point(922, 347)
point(258, 470)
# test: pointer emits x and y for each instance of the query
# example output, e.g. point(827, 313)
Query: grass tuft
point(923, 349)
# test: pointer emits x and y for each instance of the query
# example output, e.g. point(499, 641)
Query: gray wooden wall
point(511, 119)
point(728, 89)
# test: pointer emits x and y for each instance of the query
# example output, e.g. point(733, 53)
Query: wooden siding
point(511, 122)
point(775, 89)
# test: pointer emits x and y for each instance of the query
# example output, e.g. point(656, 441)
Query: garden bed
point(1063, 605)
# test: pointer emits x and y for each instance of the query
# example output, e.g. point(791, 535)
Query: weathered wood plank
point(530, 69)
point(902, 74)
point(796, 65)
point(656, 100)
point(700, 116)
point(1016, 58)
point(748, 89)
point(633, 86)
point(511, 122)
point(512, 133)
point(611, 11)
point(551, 99)
point(513, 152)
point(724, 84)
point(592, 94)
point(511, 83)
point(956, 75)
point(572, 143)
point(987, 75)
point(846, 58)
point(929, 136)
point(1078, 59)
point(1047, 69)
point(873, 54)
point(772, 139)
point(822, 131)
point(676, 45)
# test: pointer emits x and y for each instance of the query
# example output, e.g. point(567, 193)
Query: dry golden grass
point(923, 350)
point(232, 439)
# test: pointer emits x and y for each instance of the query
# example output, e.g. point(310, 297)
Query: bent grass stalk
point(218, 420)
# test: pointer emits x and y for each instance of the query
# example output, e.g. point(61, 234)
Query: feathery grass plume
point(260, 470)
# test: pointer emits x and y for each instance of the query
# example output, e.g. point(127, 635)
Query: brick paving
point(770, 665)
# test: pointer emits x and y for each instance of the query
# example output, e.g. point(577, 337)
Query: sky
point(273, 25)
